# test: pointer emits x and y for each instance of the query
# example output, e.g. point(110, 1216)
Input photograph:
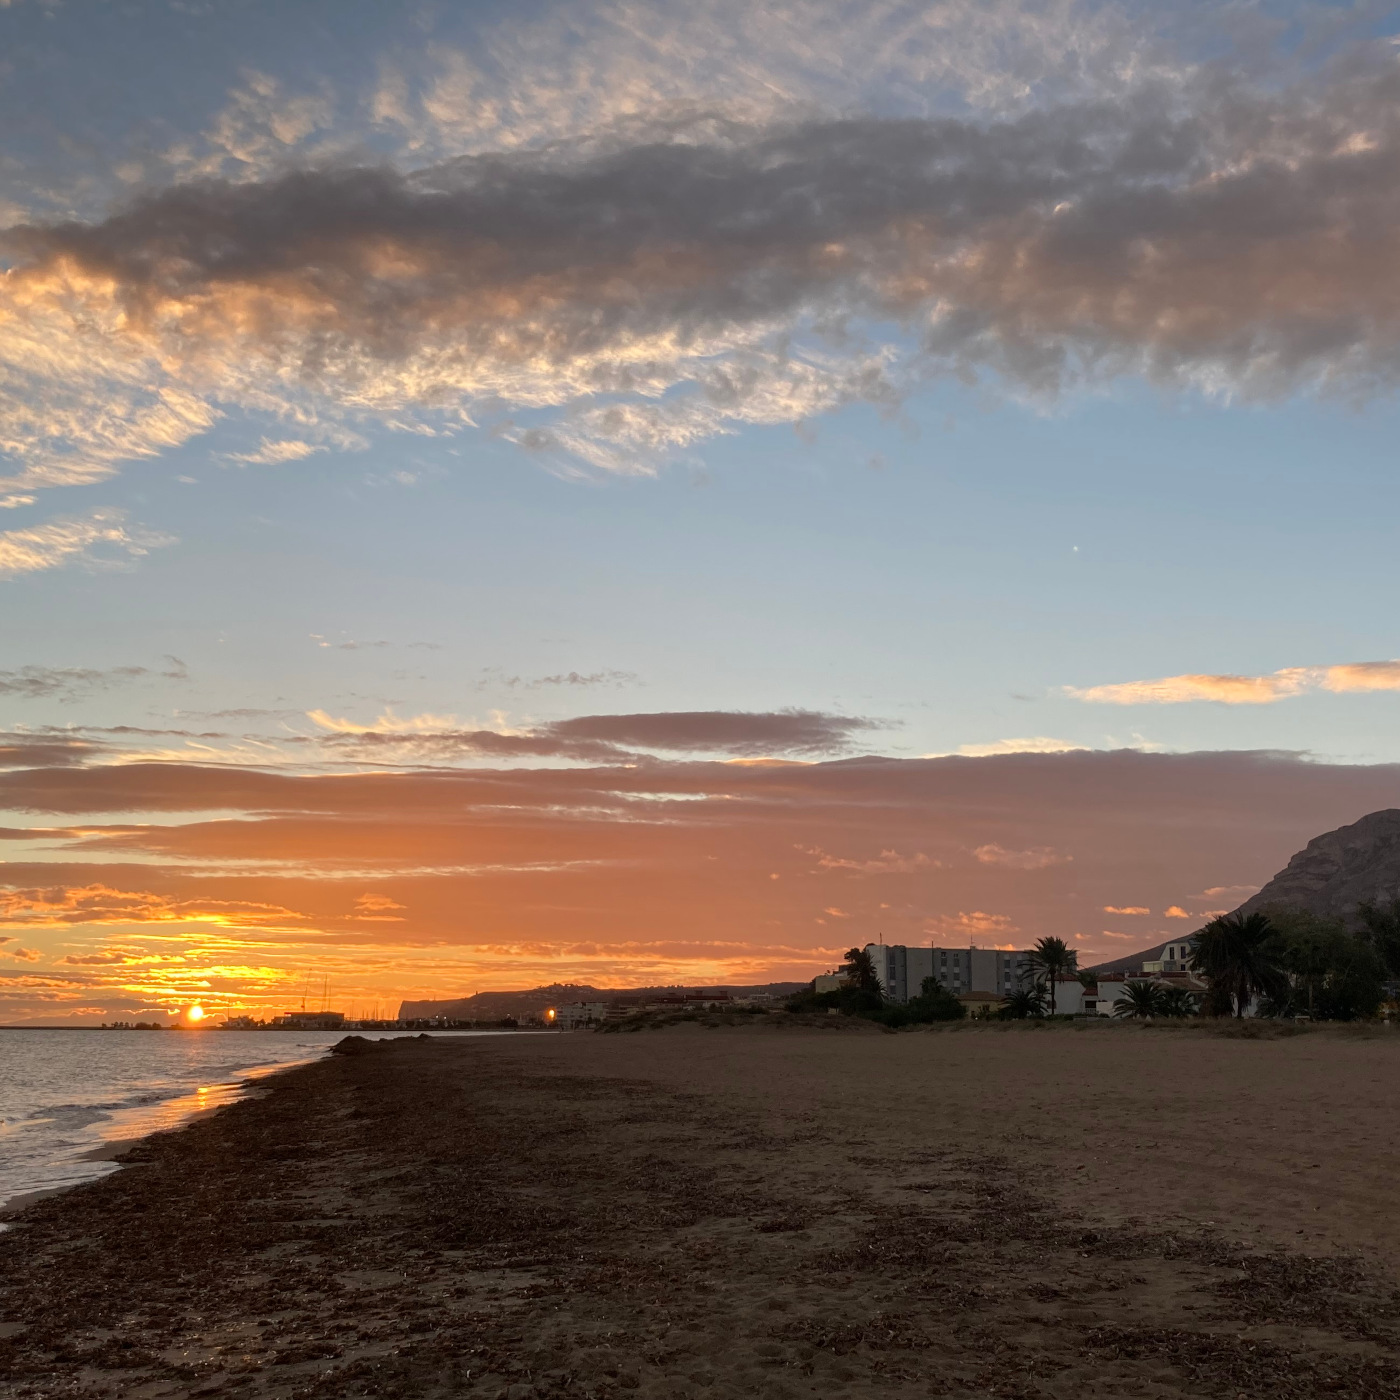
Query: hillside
point(1340, 869)
point(492, 1006)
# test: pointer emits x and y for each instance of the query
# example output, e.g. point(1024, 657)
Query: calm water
point(64, 1093)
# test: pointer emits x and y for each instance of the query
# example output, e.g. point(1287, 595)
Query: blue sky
point(949, 574)
point(385, 390)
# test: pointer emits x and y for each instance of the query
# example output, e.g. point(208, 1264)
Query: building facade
point(1175, 957)
point(574, 1014)
point(902, 969)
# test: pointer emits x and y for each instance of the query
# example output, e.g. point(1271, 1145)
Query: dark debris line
point(422, 1221)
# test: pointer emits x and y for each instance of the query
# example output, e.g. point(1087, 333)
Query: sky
point(643, 493)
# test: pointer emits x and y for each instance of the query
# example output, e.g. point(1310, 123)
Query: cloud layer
point(625, 297)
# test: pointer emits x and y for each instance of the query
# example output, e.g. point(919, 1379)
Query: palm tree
point(1179, 1002)
point(1382, 925)
point(1140, 1001)
point(1240, 955)
point(1051, 958)
point(1017, 1006)
point(859, 968)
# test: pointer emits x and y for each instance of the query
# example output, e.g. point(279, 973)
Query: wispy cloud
point(1037, 858)
point(1038, 744)
point(888, 862)
point(1226, 689)
point(101, 538)
point(976, 923)
point(273, 452)
point(68, 683)
point(58, 906)
point(377, 909)
point(570, 679)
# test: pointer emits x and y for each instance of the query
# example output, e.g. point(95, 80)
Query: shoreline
point(248, 1084)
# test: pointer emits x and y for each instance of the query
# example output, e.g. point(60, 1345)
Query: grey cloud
point(45, 750)
point(1213, 235)
point(571, 679)
point(69, 683)
point(719, 731)
point(241, 712)
point(446, 745)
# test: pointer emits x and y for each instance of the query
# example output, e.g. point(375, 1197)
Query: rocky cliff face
point(1337, 871)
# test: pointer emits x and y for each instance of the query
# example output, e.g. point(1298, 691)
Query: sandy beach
point(1003, 1211)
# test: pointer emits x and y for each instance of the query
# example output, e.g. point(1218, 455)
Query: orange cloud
point(1038, 858)
point(975, 923)
point(60, 906)
point(374, 908)
point(1127, 909)
point(888, 862)
point(1176, 912)
point(1246, 690)
point(1362, 676)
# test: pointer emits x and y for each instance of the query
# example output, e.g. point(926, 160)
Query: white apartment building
point(902, 969)
point(1174, 958)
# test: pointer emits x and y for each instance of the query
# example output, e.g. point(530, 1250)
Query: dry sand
point(1012, 1211)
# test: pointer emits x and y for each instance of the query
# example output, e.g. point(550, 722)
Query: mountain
point(492, 1006)
point(1333, 873)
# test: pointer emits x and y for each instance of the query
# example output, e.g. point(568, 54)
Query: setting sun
point(195, 1013)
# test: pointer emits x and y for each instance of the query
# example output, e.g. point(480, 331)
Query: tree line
point(1288, 962)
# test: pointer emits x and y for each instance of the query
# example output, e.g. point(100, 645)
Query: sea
point(66, 1094)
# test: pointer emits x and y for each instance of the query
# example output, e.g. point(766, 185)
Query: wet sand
point(1008, 1211)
